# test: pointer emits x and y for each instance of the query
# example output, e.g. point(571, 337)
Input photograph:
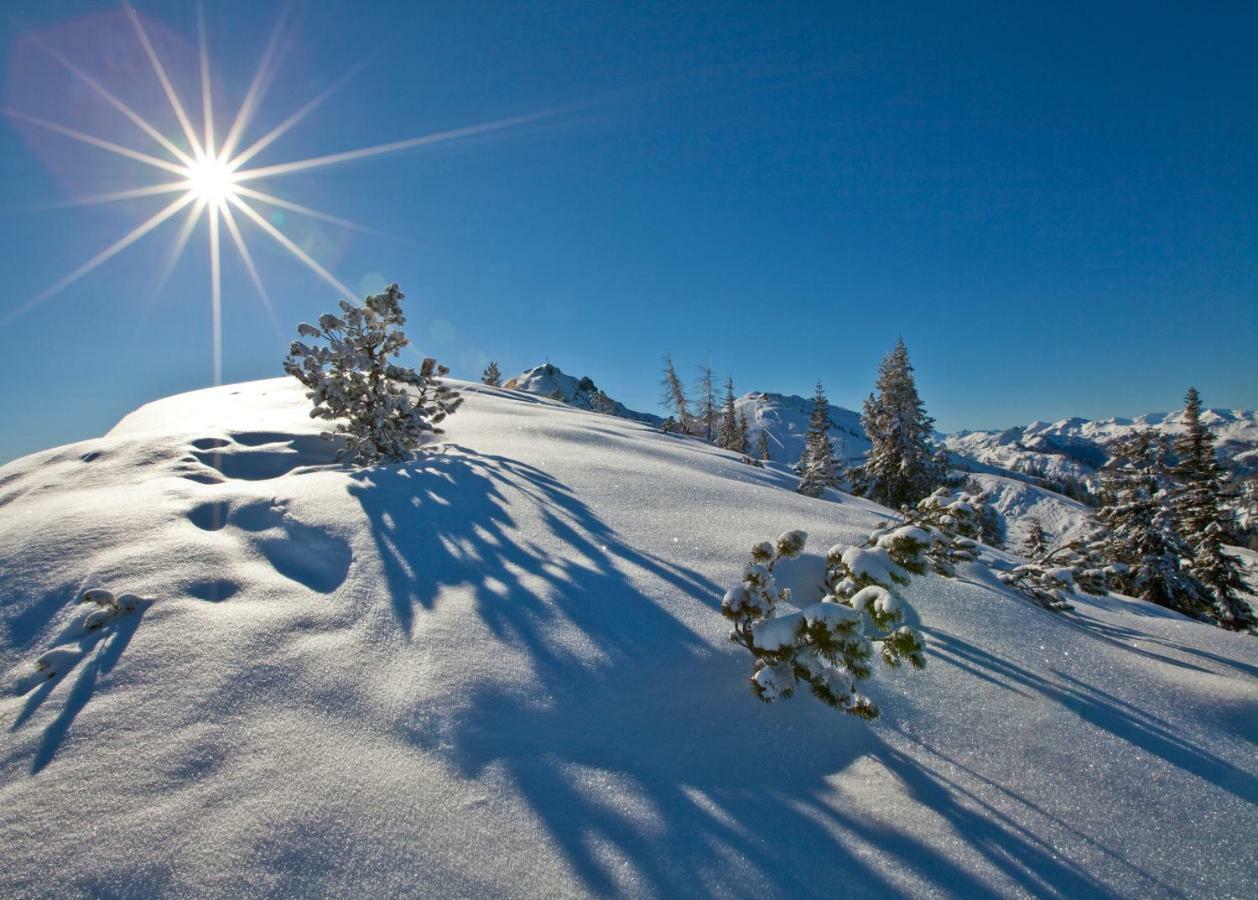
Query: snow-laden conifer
point(1140, 531)
point(1052, 577)
point(900, 467)
point(1202, 517)
point(817, 468)
point(383, 411)
point(830, 644)
point(1035, 545)
point(492, 375)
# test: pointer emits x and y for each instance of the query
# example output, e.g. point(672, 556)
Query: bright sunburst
point(212, 180)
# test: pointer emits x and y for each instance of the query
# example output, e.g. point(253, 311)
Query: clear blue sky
point(1055, 204)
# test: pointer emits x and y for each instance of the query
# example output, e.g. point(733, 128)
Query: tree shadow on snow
point(86, 659)
point(647, 760)
point(1102, 709)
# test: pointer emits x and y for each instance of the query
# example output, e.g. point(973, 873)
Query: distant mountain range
point(1054, 453)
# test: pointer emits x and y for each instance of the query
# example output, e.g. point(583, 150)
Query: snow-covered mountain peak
point(547, 380)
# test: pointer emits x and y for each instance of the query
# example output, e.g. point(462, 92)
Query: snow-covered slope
point(784, 419)
point(1017, 503)
point(546, 379)
point(500, 670)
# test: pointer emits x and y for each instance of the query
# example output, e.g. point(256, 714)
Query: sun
point(210, 173)
point(211, 181)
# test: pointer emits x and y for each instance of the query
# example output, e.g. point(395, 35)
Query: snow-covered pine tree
point(675, 397)
point(817, 468)
point(727, 428)
point(1202, 517)
point(1222, 574)
point(900, 467)
point(382, 410)
point(830, 644)
point(705, 402)
point(1140, 530)
point(743, 444)
point(1036, 543)
point(492, 375)
point(762, 445)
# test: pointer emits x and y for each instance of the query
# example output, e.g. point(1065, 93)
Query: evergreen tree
point(675, 396)
point(706, 412)
point(817, 470)
point(743, 444)
point(762, 445)
point(727, 429)
point(382, 411)
point(1223, 577)
point(1036, 544)
point(1139, 525)
point(899, 468)
point(1202, 517)
point(492, 376)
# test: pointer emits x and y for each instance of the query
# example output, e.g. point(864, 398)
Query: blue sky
point(1054, 205)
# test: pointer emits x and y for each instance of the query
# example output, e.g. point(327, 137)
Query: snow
point(501, 670)
point(546, 379)
point(784, 419)
point(1016, 503)
point(1078, 447)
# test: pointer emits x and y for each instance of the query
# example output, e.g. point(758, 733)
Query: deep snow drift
point(501, 669)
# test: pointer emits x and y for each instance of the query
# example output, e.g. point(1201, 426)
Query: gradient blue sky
point(1056, 205)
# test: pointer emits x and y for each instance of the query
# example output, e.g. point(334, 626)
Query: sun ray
point(152, 190)
point(302, 165)
point(95, 141)
point(229, 219)
point(113, 249)
point(310, 106)
point(216, 296)
point(177, 248)
point(117, 104)
point(164, 79)
point(307, 211)
point(207, 99)
point(287, 243)
point(257, 88)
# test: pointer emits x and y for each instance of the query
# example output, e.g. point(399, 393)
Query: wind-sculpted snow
point(500, 669)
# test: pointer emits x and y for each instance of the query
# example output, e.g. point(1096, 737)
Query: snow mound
point(501, 670)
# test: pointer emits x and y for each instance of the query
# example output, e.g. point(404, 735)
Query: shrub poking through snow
point(829, 645)
point(108, 607)
point(1058, 574)
point(383, 410)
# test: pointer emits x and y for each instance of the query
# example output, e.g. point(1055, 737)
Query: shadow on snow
point(652, 767)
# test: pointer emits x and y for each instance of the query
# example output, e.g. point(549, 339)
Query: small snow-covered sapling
point(108, 607)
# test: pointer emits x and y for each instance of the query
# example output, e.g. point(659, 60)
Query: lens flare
point(211, 184)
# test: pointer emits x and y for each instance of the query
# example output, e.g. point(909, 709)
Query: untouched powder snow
point(501, 670)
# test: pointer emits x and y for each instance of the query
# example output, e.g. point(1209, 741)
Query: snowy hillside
point(1017, 503)
point(546, 379)
point(501, 670)
point(784, 419)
